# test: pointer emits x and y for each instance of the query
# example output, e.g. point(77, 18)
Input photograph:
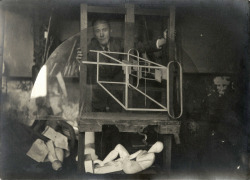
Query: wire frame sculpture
point(137, 67)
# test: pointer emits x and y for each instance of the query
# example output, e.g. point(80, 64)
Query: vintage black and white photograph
point(124, 89)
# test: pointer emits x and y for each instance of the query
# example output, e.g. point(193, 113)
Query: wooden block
point(158, 75)
point(88, 164)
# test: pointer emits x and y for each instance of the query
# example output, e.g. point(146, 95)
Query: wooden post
point(171, 33)
point(84, 101)
point(129, 27)
point(85, 91)
point(81, 145)
point(171, 55)
point(129, 38)
point(167, 141)
point(1, 50)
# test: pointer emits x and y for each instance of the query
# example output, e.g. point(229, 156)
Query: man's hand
point(165, 34)
point(79, 54)
point(161, 42)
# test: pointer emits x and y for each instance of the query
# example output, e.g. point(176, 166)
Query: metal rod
point(123, 64)
point(46, 42)
point(150, 79)
point(181, 97)
point(145, 72)
point(102, 63)
point(145, 109)
point(97, 71)
point(110, 57)
point(138, 63)
point(109, 52)
point(111, 95)
point(111, 82)
point(126, 87)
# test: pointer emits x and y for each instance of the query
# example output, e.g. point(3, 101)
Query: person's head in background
point(102, 31)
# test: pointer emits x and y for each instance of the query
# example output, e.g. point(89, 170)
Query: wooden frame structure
point(126, 122)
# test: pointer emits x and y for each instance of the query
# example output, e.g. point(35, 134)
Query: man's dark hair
point(100, 20)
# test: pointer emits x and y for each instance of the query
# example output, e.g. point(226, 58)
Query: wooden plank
point(95, 120)
point(122, 10)
point(125, 116)
point(81, 145)
point(132, 126)
point(151, 12)
point(166, 126)
point(167, 142)
point(107, 9)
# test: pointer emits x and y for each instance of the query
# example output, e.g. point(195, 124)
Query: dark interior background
point(211, 40)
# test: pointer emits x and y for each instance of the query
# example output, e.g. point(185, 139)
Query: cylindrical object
point(90, 144)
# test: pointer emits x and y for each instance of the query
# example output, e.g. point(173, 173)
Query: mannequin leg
point(119, 150)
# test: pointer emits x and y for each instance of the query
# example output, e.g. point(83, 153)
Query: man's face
point(102, 32)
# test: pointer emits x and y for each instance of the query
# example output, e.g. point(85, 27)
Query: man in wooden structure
point(103, 41)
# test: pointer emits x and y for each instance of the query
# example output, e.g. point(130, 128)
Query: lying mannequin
point(130, 164)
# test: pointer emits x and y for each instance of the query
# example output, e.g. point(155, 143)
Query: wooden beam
point(151, 12)
point(83, 83)
point(128, 122)
point(122, 10)
point(107, 9)
point(126, 116)
point(129, 38)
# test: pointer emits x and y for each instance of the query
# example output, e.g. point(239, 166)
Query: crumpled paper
point(38, 151)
